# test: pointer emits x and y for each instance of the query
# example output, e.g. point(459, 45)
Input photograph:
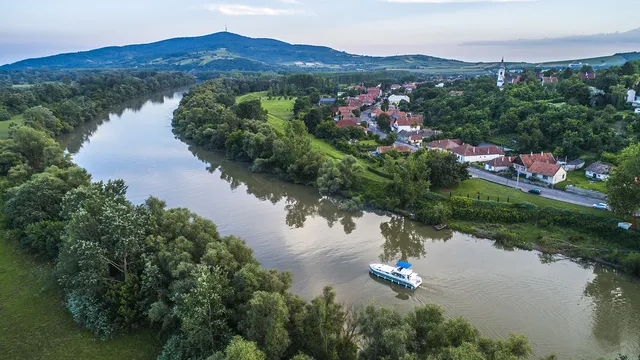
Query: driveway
point(547, 193)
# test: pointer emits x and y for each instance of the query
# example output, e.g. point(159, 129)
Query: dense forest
point(124, 266)
point(59, 106)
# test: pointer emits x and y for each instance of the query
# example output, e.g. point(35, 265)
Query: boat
point(440, 226)
point(400, 274)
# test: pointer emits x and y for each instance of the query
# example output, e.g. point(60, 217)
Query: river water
point(577, 311)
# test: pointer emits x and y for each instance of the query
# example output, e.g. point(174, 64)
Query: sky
point(470, 30)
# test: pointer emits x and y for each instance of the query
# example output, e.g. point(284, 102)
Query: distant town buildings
point(395, 99)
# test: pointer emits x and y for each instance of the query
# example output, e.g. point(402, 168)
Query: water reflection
point(404, 239)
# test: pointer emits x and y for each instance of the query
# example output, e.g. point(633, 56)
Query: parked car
point(535, 191)
point(601, 206)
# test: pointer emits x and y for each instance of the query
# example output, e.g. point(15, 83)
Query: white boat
point(400, 274)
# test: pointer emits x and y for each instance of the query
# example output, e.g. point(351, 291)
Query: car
point(535, 191)
point(601, 206)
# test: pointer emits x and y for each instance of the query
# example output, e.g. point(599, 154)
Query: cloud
point(631, 37)
point(237, 10)
point(289, 1)
point(455, 1)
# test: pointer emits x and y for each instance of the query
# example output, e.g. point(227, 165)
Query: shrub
point(88, 312)
point(352, 205)
point(437, 214)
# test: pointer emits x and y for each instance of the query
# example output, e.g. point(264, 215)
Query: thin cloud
point(289, 1)
point(239, 10)
point(631, 37)
point(455, 1)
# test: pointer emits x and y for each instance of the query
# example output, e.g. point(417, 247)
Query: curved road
point(547, 193)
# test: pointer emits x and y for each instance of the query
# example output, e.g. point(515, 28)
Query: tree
point(341, 177)
point(623, 187)
point(384, 121)
point(618, 95)
point(356, 112)
point(301, 105)
point(251, 109)
point(203, 316)
point(4, 114)
point(312, 119)
point(586, 69)
point(629, 68)
point(240, 349)
point(38, 149)
point(41, 118)
point(385, 105)
point(266, 323)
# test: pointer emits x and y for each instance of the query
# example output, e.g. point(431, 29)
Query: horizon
point(466, 30)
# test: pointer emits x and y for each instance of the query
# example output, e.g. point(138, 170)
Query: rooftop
point(544, 168)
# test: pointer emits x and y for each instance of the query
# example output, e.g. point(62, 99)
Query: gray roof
point(599, 168)
point(575, 162)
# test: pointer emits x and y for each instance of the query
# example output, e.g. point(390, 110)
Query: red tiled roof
point(544, 168)
point(347, 123)
point(415, 137)
point(502, 161)
point(403, 121)
point(528, 159)
point(469, 150)
point(447, 144)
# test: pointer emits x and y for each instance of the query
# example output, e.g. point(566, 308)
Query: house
point(347, 111)
point(440, 85)
point(548, 173)
point(636, 110)
point(399, 148)
point(631, 95)
point(395, 86)
point(415, 140)
point(327, 101)
point(598, 171)
point(585, 76)
point(549, 80)
point(524, 161)
point(395, 99)
point(376, 112)
point(409, 123)
point(349, 122)
point(354, 102)
point(468, 153)
point(573, 165)
point(456, 93)
point(444, 145)
point(405, 136)
point(499, 164)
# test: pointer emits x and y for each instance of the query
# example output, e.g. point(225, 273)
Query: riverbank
point(33, 311)
point(528, 235)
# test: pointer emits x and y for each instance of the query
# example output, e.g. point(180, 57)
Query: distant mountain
point(228, 51)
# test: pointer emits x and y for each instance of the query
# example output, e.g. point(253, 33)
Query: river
point(579, 311)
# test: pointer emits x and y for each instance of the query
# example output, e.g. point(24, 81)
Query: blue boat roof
point(403, 264)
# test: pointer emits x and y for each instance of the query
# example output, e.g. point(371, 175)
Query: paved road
point(547, 193)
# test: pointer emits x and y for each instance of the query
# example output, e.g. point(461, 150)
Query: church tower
point(501, 72)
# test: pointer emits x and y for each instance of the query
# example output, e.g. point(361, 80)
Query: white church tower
point(501, 72)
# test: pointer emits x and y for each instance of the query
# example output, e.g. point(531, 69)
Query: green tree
point(356, 112)
point(4, 114)
point(385, 105)
point(251, 109)
point(313, 118)
point(586, 69)
point(240, 349)
point(41, 118)
point(623, 187)
point(341, 177)
point(618, 95)
point(37, 149)
point(383, 121)
point(629, 68)
point(203, 316)
point(266, 323)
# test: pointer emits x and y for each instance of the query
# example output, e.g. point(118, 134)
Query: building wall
point(495, 168)
point(405, 128)
point(477, 158)
point(592, 175)
point(560, 176)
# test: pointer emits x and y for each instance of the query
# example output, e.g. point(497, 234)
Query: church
point(501, 74)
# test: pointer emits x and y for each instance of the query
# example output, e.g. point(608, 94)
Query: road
point(547, 193)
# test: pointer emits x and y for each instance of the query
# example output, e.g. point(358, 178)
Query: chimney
point(532, 153)
point(541, 153)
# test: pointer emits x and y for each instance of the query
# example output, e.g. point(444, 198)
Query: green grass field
point(4, 125)
point(35, 325)
point(577, 178)
point(486, 188)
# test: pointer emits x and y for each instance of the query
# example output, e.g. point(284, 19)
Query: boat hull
point(393, 279)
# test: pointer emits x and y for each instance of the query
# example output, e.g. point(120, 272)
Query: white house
point(631, 95)
point(468, 153)
point(440, 85)
point(395, 99)
point(499, 164)
point(406, 123)
point(546, 172)
point(598, 171)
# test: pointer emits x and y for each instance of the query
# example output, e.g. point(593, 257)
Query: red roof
point(544, 168)
point(398, 148)
point(502, 161)
point(415, 137)
point(347, 123)
point(469, 150)
point(447, 144)
point(528, 159)
point(403, 121)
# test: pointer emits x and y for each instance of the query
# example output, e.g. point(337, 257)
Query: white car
point(601, 206)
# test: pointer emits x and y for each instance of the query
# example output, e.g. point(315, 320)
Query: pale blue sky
point(32, 28)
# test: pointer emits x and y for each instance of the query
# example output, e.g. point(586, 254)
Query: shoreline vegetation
point(122, 268)
point(272, 135)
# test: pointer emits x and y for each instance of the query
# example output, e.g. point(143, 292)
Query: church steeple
point(501, 74)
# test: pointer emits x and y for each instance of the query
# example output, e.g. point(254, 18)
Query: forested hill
point(228, 51)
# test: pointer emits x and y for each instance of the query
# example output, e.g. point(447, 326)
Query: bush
point(437, 214)
point(352, 205)
point(88, 312)
point(43, 238)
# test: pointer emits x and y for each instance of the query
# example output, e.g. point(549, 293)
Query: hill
point(228, 51)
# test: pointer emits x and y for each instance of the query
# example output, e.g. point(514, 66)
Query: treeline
point(124, 266)
point(57, 107)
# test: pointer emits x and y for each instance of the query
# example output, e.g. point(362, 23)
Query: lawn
point(486, 188)
point(35, 325)
point(577, 178)
point(4, 125)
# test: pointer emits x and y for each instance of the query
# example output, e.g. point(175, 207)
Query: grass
point(35, 325)
point(577, 178)
point(486, 188)
point(4, 125)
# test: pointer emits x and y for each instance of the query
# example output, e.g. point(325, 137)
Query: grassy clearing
point(4, 125)
point(577, 178)
point(35, 324)
point(486, 188)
